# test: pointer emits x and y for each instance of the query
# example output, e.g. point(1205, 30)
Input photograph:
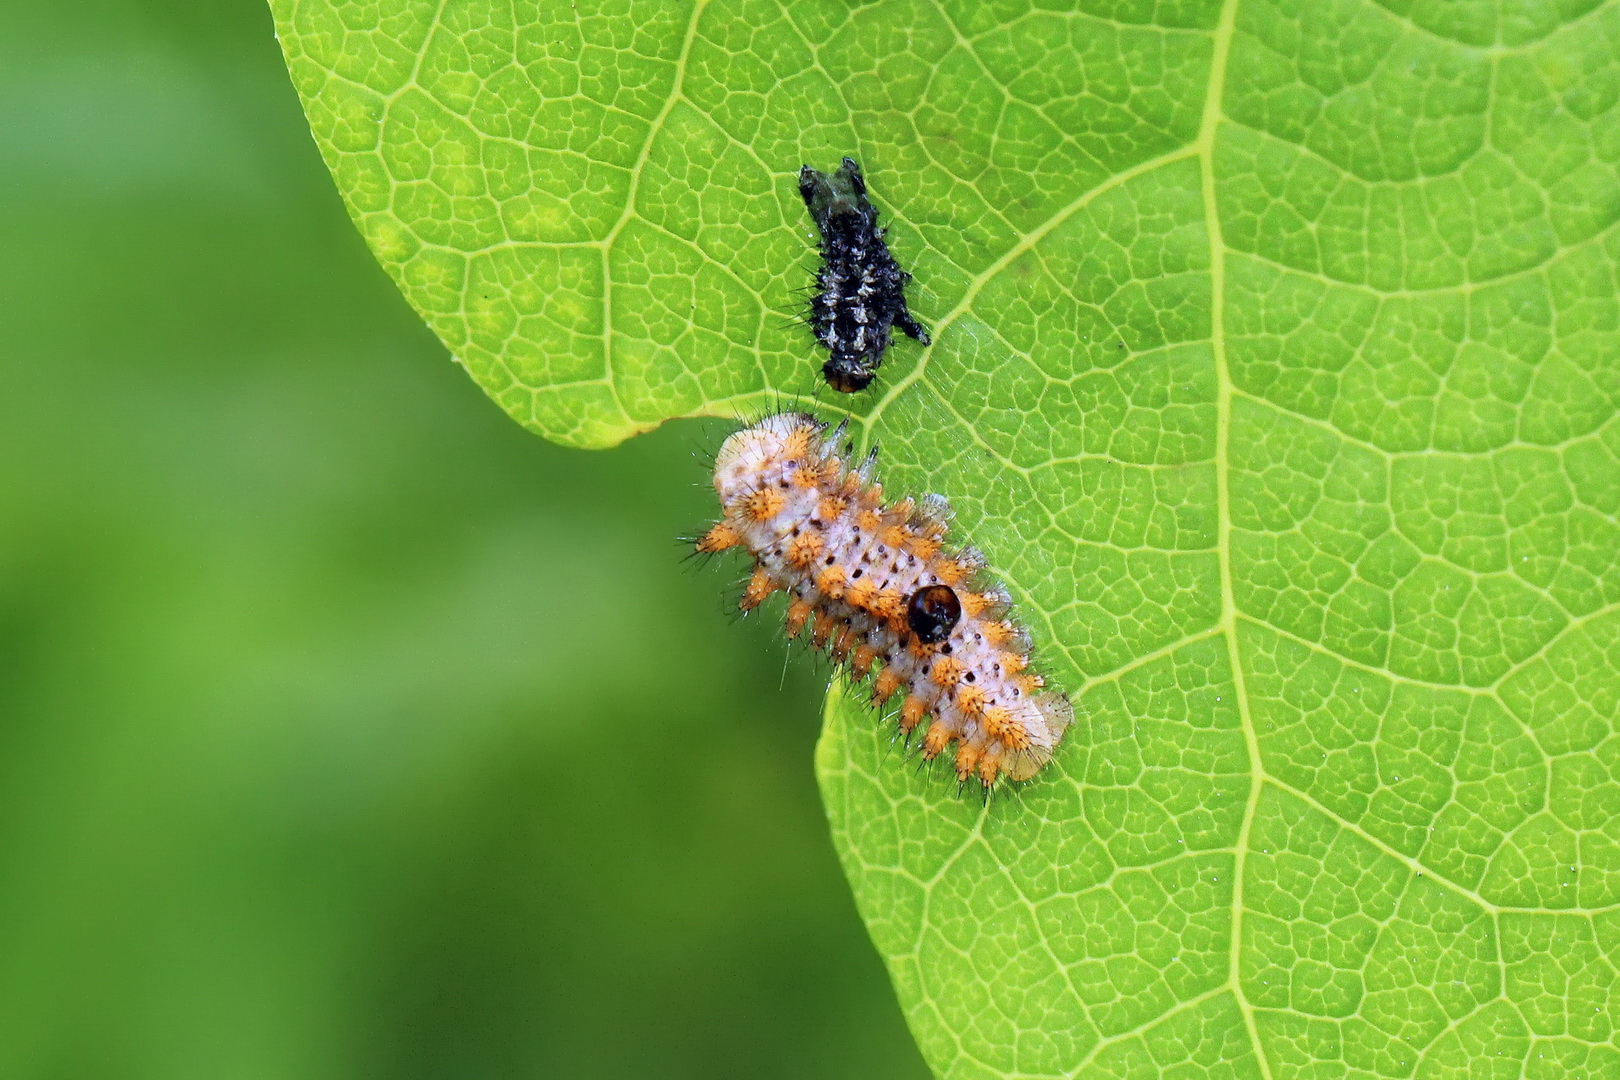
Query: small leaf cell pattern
point(882, 593)
point(860, 290)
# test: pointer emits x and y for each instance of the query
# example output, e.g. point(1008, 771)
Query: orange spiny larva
point(882, 592)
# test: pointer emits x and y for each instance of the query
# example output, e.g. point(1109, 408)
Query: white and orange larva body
point(867, 578)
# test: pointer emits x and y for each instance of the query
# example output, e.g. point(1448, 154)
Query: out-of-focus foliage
point(346, 730)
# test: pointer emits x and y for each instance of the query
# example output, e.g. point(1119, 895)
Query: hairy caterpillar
point(860, 289)
point(882, 593)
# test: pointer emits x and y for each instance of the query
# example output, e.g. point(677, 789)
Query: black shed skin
point(860, 290)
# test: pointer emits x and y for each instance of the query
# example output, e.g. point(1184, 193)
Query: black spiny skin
point(860, 291)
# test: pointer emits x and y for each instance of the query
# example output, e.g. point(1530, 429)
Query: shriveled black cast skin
point(860, 291)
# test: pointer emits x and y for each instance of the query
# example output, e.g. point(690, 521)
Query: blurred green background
point(347, 730)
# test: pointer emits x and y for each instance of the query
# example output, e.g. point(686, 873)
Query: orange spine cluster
point(865, 577)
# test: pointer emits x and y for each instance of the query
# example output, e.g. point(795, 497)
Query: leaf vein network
point(1496, 49)
point(1026, 242)
point(677, 88)
point(1461, 288)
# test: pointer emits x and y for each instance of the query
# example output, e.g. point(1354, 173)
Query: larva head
point(932, 613)
point(849, 374)
point(782, 437)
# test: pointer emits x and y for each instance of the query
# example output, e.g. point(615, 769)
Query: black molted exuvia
point(860, 291)
point(933, 612)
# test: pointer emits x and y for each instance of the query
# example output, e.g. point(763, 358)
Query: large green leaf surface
point(1276, 367)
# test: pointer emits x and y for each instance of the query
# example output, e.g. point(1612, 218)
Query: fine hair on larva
point(877, 588)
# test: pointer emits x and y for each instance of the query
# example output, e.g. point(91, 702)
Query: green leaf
point(1276, 367)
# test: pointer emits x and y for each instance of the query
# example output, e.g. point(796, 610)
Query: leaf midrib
point(1227, 623)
